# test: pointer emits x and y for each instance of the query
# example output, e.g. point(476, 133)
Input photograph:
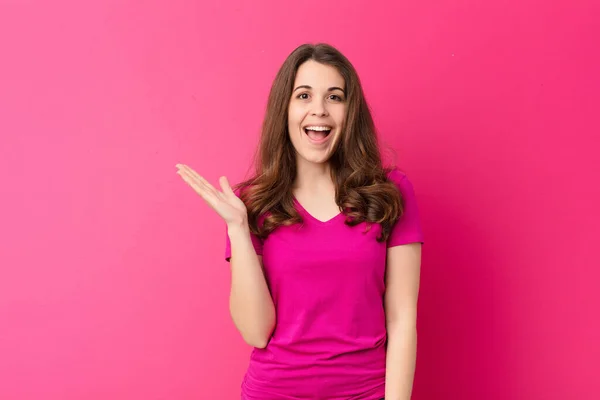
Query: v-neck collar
point(305, 212)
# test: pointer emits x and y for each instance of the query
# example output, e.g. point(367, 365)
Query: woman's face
point(317, 111)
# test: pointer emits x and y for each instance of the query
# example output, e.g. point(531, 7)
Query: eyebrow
point(331, 89)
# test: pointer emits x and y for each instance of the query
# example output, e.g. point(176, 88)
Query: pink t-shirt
point(327, 282)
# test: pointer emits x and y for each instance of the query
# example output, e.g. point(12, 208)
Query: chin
point(318, 159)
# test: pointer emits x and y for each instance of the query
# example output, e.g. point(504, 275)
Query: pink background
point(112, 278)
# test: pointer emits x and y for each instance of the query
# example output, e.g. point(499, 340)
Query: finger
point(201, 189)
point(201, 180)
point(192, 178)
point(203, 183)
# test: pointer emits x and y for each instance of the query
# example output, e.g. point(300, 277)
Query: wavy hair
point(362, 189)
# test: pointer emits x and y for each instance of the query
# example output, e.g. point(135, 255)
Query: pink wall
point(112, 281)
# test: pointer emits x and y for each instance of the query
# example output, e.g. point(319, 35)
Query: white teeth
point(318, 128)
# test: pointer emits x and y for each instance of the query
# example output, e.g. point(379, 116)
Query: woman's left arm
point(402, 290)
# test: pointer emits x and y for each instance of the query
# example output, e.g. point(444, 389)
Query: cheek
point(294, 115)
point(340, 116)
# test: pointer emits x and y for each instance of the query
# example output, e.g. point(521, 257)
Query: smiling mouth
point(317, 135)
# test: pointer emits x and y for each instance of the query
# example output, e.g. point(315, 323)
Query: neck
point(312, 176)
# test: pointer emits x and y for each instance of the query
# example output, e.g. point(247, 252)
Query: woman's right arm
point(250, 302)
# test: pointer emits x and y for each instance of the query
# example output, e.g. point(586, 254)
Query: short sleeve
point(256, 241)
point(408, 228)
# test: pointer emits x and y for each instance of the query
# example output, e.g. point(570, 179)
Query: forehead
point(318, 75)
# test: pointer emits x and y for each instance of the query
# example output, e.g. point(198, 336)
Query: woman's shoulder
point(400, 178)
point(396, 175)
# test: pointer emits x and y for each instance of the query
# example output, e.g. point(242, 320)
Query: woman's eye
point(334, 97)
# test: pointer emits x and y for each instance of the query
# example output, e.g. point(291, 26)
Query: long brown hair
point(362, 189)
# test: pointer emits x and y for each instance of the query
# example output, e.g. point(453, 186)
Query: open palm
point(225, 203)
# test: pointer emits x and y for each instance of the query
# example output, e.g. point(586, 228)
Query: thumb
point(225, 186)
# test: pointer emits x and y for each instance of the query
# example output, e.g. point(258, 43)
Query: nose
point(319, 109)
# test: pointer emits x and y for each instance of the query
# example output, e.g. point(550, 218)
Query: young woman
point(324, 244)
